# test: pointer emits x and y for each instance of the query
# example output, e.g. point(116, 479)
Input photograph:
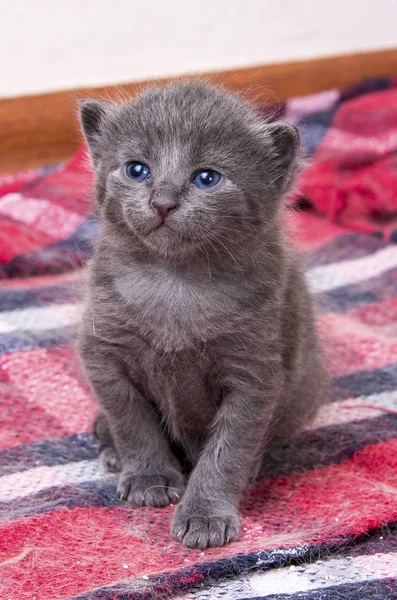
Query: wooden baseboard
point(42, 129)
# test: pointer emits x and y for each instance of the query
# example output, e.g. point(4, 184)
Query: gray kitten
point(198, 336)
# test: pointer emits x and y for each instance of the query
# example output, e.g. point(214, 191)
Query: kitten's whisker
point(215, 248)
point(218, 239)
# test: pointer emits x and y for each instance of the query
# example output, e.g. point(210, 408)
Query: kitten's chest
point(182, 386)
point(173, 310)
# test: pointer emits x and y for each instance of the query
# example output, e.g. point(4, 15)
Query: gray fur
point(198, 337)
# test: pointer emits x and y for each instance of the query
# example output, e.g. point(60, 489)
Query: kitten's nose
point(164, 206)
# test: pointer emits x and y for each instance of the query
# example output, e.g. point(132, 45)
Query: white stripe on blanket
point(355, 409)
point(348, 272)
point(295, 579)
point(32, 481)
point(40, 318)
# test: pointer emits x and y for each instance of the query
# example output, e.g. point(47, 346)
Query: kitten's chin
point(167, 242)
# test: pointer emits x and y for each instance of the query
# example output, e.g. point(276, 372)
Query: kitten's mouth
point(161, 230)
point(160, 227)
point(162, 223)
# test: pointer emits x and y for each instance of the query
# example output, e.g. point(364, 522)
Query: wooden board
point(42, 129)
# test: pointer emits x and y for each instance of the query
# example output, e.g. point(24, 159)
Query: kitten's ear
point(284, 142)
point(93, 115)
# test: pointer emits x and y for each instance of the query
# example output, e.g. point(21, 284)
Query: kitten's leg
point(110, 458)
point(207, 515)
point(150, 473)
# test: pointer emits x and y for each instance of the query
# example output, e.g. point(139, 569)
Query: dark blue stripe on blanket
point(365, 383)
point(342, 299)
point(29, 340)
point(17, 299)
point(85, 495)
point(314, 127)
point(328, 445)
point(48, 453)
point(344, 247)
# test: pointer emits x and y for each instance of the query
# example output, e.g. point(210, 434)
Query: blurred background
point(54, 45)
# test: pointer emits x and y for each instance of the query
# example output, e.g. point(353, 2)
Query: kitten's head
point(188, 165)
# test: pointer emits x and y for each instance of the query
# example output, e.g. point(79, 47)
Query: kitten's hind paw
point(199, 531)
point(111, 460)
point(156, 490)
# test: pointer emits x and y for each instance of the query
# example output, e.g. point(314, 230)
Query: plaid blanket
point(352, 139)
point(321, 524)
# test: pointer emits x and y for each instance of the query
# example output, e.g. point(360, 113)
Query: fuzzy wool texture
point(331, 494)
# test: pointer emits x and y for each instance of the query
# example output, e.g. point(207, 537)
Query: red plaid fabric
point(330, 495)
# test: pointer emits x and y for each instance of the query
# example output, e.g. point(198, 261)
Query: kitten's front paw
point(196, 529)
point(142, 489)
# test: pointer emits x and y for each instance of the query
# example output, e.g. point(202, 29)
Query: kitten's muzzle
point(164, 206)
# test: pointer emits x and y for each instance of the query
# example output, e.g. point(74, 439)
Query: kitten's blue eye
point(137, 171)
point(207, 178)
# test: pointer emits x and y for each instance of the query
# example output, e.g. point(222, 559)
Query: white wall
point(58, 44)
